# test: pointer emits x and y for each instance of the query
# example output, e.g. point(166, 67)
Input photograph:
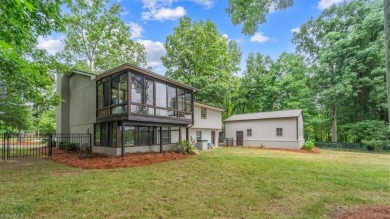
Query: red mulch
point(366, 212)
point(99, 161)
point(302, 150)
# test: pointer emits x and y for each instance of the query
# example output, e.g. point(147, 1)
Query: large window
point(97, 134)
point(112, 95)
point(123, 88)
point(148, 96)
point(100, 96)
point(115, 91)
point(166, 135)
point(161, 95)
point(172, 102)
point(137, 90)
point(149, 92)
point(145, 135)
point(129, 136)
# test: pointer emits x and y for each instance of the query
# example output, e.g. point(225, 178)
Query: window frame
point(203, 113)
point(198, 137)
point(279, 131)
point(249, 133)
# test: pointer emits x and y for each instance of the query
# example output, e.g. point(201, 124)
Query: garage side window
point(249, 132)
point(279, 131)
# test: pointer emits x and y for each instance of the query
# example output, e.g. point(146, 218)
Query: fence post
point(50, 142)
point(90, 144)
point(3, 147)
point(8, 147)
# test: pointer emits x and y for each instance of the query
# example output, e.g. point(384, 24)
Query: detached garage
point(278, 129)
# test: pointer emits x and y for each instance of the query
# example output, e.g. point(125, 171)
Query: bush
point(309, 144)
point(69, 146)
point(186, 147)
point(373, 134)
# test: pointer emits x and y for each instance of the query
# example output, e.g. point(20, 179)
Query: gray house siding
point(76, 113)
point(264, 132)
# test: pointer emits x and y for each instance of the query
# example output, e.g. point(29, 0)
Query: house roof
point(128, 66)
point(73, 72)
point(265, 115)
point(208, 106)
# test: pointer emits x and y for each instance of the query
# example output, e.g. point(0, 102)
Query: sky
point(151, 21)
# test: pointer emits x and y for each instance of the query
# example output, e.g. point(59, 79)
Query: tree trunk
point(386, 6)
point(334, 123)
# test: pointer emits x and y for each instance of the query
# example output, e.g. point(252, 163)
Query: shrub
point(309, 144)
point(69, 146)
point(373, 134)
point(186, 147)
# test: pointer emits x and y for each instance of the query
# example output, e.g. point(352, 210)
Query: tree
point(198, 55)
point(251, 13)
point(47, 122)
point(386, 8)
point(345, 48)
point(25, 71)
point(97, 39)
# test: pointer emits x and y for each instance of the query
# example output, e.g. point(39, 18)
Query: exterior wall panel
point(264, 132)
point(213, 120)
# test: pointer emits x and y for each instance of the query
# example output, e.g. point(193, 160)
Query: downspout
point(192, 109)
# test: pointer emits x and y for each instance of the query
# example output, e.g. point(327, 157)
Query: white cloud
point(206, 3)
point(296, 30)
point(324, 4)
point(50, 44)
point(135, 30)
point(260, 38)
point(162, 9)
point(155, 50)
point(225, 35)
point(162, 14)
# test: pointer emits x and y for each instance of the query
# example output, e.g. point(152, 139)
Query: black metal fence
point(21, 145)
point(229, 142)
point(348, 146)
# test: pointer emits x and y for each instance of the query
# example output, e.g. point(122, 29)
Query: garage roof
point(265, 115)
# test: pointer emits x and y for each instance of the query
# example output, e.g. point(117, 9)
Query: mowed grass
point(224, 182)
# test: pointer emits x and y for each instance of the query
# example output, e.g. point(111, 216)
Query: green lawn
point(224, 182)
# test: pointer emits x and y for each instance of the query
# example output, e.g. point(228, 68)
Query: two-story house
point(131, 109)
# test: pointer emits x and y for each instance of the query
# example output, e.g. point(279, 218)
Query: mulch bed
point(99, 161)
point(302, 150)
point(366, 212)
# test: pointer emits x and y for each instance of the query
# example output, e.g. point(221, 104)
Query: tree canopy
point(25, 71)
point(97, 39)
point(198, 55)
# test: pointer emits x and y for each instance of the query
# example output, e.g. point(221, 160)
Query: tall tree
point(25, 70)
point(198, 55)
point(251, 13)
point(386, 8)
point(97, 39)
point(346, 49)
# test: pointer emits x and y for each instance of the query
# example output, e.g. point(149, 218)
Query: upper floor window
point(137, 88)
point(203, 113)
point(249, 132)
point(279, 131)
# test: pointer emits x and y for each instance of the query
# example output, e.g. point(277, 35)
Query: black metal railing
point(22, 145)
point(229, 142)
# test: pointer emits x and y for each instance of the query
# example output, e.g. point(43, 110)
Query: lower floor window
point(108, 134)
point(198, 135)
